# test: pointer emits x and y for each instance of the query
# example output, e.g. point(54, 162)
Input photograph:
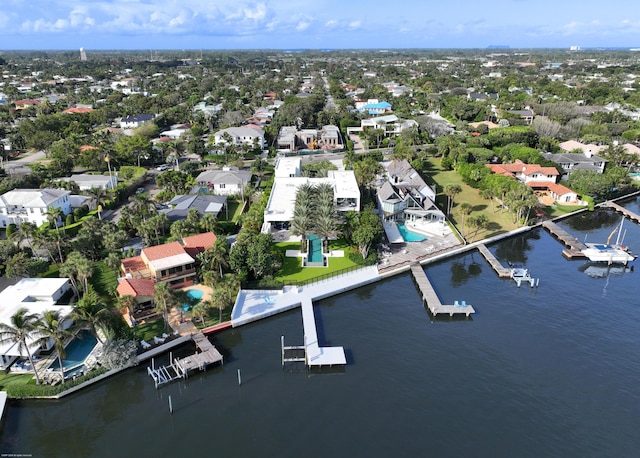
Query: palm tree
point(99, 195)
point(79, 269)
point(451, 190)
point(225, 293)
point(92, 313)
point(26, 230)
point(126, 303)
point(200, 311)
point(478, 222)
point(52, 327)
point(465, 209)
point(54, 215)
point(163, 299)
point(23, 327)
point(208, 222)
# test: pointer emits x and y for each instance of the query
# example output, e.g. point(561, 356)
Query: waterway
point(551, 371)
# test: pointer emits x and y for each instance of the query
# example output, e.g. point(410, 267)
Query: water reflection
point(461, 272)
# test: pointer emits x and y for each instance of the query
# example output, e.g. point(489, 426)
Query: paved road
point(20, 166)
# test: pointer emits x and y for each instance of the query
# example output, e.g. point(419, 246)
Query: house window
point(221, 185)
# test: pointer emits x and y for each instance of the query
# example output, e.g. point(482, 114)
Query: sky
point(318, 24)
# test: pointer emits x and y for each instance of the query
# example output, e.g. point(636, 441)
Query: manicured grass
point(104, 280)
point(212, 318)
point(149, 330)
point(292, 269)
point(235, 210)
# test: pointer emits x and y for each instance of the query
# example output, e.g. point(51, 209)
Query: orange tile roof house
point(526, 172)
point(142, 290)
point(173, 263)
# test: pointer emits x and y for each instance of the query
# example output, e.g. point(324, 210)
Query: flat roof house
point(37, 295)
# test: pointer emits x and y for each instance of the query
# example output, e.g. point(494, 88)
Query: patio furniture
point(158, 340)
point(145, 345)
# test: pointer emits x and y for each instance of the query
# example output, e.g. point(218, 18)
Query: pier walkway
point(315, 354)
point(503, 272)
point(575, 245)
point(628, 213)
point(431, 298)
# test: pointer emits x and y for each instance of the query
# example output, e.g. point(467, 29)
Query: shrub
point(70, 219)
point(11, 229)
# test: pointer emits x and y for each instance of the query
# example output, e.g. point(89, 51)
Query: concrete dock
point(574, 245)
point(431, 298)
point(503, 272)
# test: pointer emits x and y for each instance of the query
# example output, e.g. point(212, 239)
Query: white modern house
point(37, 295)
point(240, 136)
point(287, 181)
point(31, 205)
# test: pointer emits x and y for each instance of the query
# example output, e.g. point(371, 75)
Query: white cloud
point(353, 25)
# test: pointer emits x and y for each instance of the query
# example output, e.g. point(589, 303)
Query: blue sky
point(249, 24)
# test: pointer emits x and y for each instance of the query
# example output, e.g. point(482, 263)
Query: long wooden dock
point(431, 298)
point(503, 272)
point(574, 245)
point(628, 213)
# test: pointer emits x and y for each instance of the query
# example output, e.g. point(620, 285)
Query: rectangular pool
point(315, 248)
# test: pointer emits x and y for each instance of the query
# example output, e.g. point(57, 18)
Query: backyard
point(292, 269)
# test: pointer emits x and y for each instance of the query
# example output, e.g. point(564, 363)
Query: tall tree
point(451, 190)
point(21, 331)
point(52, 326)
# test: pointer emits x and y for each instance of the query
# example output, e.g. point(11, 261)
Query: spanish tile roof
point(166, 250)
point(198, 243)
point(136, 287)
point(553, 187)
point(133, 264)
point(521, 167)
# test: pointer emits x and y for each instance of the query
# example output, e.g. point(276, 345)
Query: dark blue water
point(551, 371)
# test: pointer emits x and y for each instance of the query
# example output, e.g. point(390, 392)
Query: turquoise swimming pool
point(77, 351)
point(194, 294)
point(410, 236)
point(315, 248)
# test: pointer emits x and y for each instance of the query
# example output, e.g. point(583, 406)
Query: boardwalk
point(575, 245)
point(503, 272)
point(431, 298)
point(628, 213)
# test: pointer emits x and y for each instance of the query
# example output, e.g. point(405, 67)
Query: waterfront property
point(172, 263)
point(287, 181)
point(576, 247)
point(36, 295)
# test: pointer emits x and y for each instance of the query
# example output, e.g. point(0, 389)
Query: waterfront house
point(32, 205)
point(173, 263)
point(287, 181)
point(142, 291)
point(526, 173)
point(37, 295)
point(576, 161)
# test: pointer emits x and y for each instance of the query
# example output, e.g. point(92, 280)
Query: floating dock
point(503, 272)
point(179, 368)
point(431, 298)
point(628, 213)
point(575, 246)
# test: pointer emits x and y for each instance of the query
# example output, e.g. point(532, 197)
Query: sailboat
point(609, 253)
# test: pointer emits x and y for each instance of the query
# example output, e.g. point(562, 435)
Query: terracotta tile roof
point(136, 287)
point(195, 244)
point(133, 264)
point(78, 110)
point(166, 250)
point(553, 187)
point(521, 167)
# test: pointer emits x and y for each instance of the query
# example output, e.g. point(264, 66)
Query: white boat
point(607, 252)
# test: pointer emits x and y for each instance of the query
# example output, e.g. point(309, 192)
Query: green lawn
point(104, 281)
point(292, 269)
point(500, 220)
point(149, 330)
point(235, 210)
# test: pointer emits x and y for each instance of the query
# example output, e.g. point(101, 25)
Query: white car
point(162, 168)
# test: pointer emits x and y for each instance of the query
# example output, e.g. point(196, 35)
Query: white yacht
point(607, 252)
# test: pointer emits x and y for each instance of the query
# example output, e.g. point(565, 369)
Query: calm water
point(551, 371)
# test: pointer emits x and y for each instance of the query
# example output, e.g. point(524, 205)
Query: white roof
point(32, 197)
point(171, 261)
point(288, 166)
point(33, 294)
point(345, 184)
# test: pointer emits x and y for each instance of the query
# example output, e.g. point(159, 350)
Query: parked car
point(163, 167)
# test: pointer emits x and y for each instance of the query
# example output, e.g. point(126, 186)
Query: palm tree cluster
point(314, 212)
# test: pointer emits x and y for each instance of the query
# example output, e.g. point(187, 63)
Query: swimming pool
point(77, 351)
point(315, 248)
point(196, 295)
point(410, 236)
